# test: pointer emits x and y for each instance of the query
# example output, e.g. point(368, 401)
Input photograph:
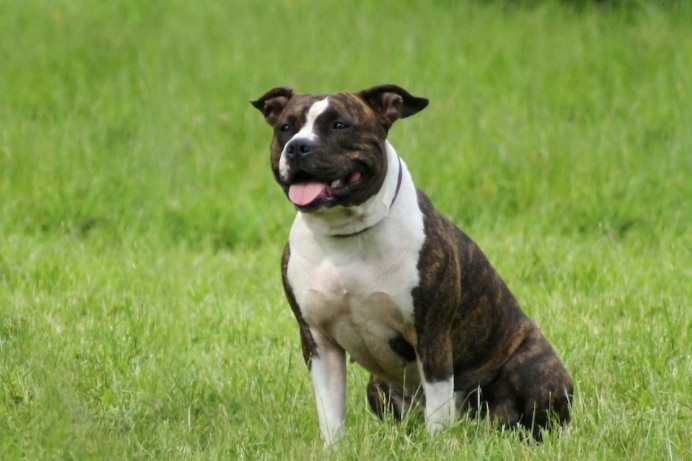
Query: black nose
point(299, 148)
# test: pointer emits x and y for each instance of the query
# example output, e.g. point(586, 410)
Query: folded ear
point(272, 103)
point(391, 102)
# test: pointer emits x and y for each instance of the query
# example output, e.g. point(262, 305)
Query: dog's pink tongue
point(302, 194)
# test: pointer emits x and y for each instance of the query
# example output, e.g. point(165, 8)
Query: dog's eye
point(284, 127)
point(339, 126)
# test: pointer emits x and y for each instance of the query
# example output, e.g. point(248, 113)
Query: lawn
point(141, 310)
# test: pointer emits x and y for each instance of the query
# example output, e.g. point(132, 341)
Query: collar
point(398, 181)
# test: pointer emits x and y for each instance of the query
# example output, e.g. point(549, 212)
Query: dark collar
point(398, 181)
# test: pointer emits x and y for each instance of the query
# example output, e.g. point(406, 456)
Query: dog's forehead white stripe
point(316, 109)
point(313, 112)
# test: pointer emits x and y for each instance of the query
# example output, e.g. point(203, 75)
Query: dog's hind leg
point(537, 383)
point(389, 399)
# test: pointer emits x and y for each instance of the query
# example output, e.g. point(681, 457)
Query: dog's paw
point(333, 436)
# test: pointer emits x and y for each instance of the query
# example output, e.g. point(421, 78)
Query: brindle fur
point(499, 358)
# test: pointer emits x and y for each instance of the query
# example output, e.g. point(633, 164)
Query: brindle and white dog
point(373, 270)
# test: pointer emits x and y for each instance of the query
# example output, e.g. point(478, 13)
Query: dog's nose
point(299, 148)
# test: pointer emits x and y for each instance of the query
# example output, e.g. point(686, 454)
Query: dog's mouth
point(307, 191)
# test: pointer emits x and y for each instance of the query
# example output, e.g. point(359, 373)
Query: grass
point(141, 315)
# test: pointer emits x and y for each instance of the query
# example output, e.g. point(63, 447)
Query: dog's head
point(329, 150)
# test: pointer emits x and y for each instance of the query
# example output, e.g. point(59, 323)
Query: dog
point(373, 270)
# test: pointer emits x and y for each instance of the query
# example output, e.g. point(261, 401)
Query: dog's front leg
point(328, 373)
point(437, 376)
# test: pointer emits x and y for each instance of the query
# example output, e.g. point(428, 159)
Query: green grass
point(141, 314)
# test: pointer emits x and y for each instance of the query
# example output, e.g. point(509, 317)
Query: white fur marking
point(355, 292)
point(306, 132)
point(328, 373)
point(440, 408)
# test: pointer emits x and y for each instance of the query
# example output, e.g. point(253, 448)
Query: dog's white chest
point(356, 291)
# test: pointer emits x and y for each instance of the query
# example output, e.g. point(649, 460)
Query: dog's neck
point(350, 221)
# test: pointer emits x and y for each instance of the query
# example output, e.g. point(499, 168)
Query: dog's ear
point(391, 102)
point(272, 103)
